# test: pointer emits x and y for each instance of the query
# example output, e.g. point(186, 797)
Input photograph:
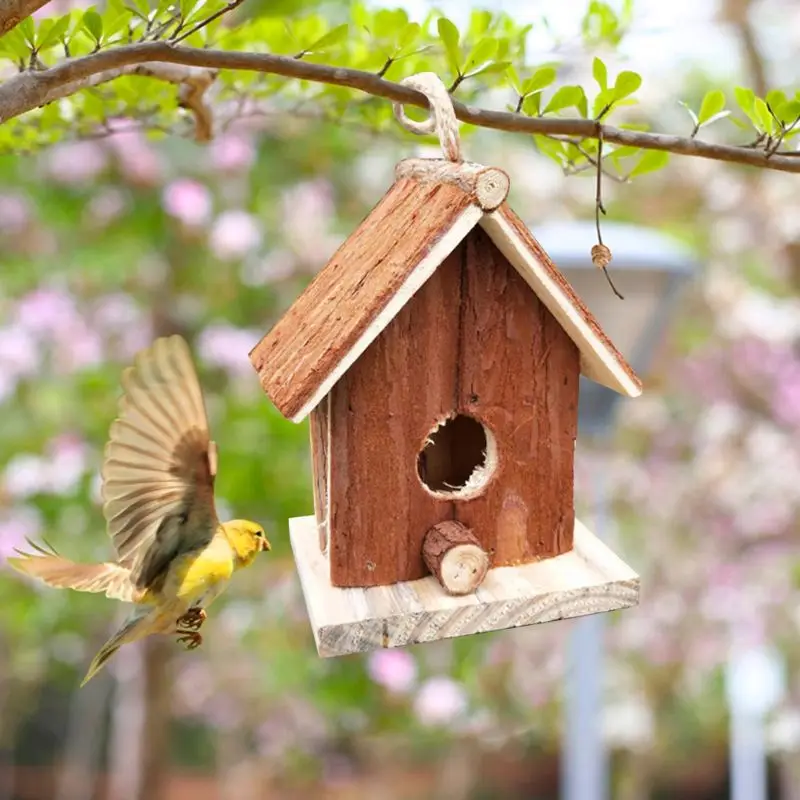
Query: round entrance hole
point(457, 458)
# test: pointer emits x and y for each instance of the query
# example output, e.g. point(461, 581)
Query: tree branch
point(31, 89)
point(12, 12)
point(193, 82)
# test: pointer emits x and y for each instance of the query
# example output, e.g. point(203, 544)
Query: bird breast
point(201, 576)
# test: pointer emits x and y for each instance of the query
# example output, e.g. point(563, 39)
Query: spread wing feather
point(159, 467)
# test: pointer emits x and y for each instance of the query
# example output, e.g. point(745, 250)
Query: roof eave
point(445, 245)
point(599, 359)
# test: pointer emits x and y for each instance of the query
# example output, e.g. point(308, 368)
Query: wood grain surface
point(364, 274)
point(587, 580)
point(518, 375)
point(474, 340)
point(382, 410)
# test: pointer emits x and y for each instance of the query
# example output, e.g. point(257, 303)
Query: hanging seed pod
point(601, 258)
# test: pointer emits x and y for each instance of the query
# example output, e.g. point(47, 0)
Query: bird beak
point(265, 545)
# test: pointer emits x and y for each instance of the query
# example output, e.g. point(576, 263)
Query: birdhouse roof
point(423, 217)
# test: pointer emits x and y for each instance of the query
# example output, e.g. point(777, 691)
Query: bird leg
point(192, 620)
point(192, 639)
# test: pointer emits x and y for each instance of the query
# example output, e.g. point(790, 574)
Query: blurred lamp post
point(755, 683)
point(649, 269)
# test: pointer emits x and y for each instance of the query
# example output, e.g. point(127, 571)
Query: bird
point(173, 555)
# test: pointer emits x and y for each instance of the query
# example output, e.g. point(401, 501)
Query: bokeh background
point(106, 242)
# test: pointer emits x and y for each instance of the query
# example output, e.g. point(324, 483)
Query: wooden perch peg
point(455, 557)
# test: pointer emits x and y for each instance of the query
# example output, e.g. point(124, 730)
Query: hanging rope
point(442, 117)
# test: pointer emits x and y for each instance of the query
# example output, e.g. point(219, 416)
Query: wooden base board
point(587, 580)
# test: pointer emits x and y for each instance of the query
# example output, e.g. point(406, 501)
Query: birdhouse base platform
point(587, 580)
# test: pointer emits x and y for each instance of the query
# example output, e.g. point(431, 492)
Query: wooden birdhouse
point(437, 355)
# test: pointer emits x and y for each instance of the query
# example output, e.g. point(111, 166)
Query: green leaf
point(14, 46)
point(332, 37)
point(482, 52)
point(492, 68)
point(55, 33)
point(565, 97)
point(540, 79)
point(625, 151)
point(600, 73)
point(762, 115)
point(550, 148)
point(626, 84)
point(602, 103)
point(187, 6)
point(28, 31)
point(408, 35)
point(712, 104)
point(776, 99)
point(93, 23)
point(532, 104)
point(449, 36)
point(789, 112)
point(745, 99)
point(650, 161)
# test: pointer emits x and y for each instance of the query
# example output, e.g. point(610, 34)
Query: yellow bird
point(174, 557)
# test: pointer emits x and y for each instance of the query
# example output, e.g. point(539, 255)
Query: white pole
point(756, 683)
point(748, 756)
point(584, 763)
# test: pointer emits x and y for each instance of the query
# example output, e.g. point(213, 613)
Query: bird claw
point(191, 639)
point(193, 619)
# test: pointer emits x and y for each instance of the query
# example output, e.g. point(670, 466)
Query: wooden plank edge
point(451, 238)
point(597, 362)
point(590, 579)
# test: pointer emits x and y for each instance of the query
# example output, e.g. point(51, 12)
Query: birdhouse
point(437, 356)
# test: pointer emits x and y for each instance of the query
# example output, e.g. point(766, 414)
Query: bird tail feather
point(135, 627)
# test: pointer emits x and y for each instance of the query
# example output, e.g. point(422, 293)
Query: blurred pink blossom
point(277, 265)
point(138, 161)
point(15, 213)
point(19, 354)
point(115, 312)
point(76, 162)
point(232, 152)
point(26, 475)
point(395, 670)
point(786, 396)
point(440, 701)
point(68, 457)
point(105, 207)
point(55, 8)
point(118, 318)
point(227, 348)
point(47, 311)
point(59, 471)
point(307, 214)
point(83, 348)
point(234, 234)
point(15, 525)
point(188, 201)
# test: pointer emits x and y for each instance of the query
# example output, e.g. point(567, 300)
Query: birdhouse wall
point(474, 340)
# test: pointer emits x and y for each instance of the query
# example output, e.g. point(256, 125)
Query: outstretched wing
point(159, 468)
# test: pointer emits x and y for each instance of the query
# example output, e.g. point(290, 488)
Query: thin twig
point(592, 163)
point(29, 90)
point(208, 20)
point(599, 208)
